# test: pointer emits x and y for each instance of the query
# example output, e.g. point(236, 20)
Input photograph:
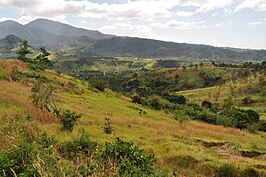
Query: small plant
point(108, 129)
point(19, 161)
point(206, 104)
point(128, 158)
point(47, 142)
point(73, 149)
point(68, 120)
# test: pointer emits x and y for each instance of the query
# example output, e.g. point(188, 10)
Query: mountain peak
point(10, 22)
point(58, 28)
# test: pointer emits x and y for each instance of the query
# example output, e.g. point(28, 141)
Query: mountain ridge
point(66, 39)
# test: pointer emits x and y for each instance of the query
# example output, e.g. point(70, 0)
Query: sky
point(225, 23)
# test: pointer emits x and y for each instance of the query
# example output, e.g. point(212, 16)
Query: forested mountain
point(61, 29)
point(63, 38)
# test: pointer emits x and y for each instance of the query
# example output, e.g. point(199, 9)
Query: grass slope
point(193, 148)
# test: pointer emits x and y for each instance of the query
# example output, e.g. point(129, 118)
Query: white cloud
point(25, 19)
point(215, 14)
point(128, 28)
point(184, 13)
point(259, 5)
point(124, 26)
point(140, 9)
point(6, 18)
point(255, 23)
point(222, 24)
point(181, 25)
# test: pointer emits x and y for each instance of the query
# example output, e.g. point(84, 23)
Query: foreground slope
point(192, 148)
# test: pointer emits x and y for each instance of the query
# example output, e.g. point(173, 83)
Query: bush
point(128, 158)
point(227, 170)
point(68, 120)
point(75, 148)
point(19, 161)
point(178, 99)
point(248, 100)
point(206, 104)
point(100, 84)
point(242, 118)
point(262, 125)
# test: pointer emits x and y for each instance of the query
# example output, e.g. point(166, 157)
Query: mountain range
point(65, 39)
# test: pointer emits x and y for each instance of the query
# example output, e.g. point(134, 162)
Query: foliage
point(41, 61)
point(206, 104)
point(108, 129)
point(68, 119)
point(128, 158)
point(242, 118)
point(73, 149)
point(19, 161)
point(100, 84)
point(47, 142)
point(34, 75)
point(178, 99)
point(248, 100)
point(23, 51)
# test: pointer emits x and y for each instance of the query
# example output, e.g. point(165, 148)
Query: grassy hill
point(189, 148)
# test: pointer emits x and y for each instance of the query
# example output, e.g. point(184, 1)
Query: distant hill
point(65, 39)
point(61, 29)
point(8, 43)
point(127, 46)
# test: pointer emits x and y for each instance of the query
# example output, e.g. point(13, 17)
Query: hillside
point(188, 148)
point(66, 39)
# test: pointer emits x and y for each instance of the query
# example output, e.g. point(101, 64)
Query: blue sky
point(228, 23)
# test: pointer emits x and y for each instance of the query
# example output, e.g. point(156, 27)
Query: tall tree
point(42, 60)
point(23, 51)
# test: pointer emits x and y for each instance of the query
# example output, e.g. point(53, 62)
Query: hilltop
point(186, 148)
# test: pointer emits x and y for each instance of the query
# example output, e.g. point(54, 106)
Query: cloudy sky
point(234, 23)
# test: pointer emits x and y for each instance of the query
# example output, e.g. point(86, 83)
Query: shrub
point(108, 129)
point(19, 161)
point(156, 103)
point(262, 125)
point(68, 120)
point(47, 142)
point(248, 100)
point(227, 170)
point(250, 172)
point(206, 104)
point(128, 158)
point(242, 118)
point(179, 99)
point(100, 84)
point(74, 148)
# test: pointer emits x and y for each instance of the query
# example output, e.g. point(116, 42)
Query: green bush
point(178, 99)
point(206, 104)
point(128, 158)
point(74, 148)
point(262, 125)
point(227, 170)
point(242, 118)
point(19, 161)
point(100, 84)
point(68, 120)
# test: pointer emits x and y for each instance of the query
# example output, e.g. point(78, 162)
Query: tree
point(41, 61)
point(42, 97)
point(24, 51)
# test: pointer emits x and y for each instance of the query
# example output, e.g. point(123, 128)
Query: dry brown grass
point(18, 95)
point(9, 64)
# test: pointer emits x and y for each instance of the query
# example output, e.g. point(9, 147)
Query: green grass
point(155, 132)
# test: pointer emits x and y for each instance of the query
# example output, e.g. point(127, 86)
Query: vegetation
point(207, 130)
